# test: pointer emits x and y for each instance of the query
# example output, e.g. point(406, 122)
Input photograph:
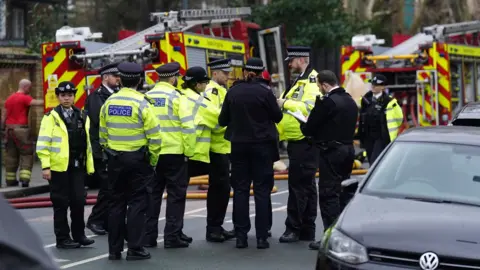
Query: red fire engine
point(433, 74)
point(191, 37)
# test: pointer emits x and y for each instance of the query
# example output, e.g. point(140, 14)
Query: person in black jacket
point(249, 112)
point(331, 125)
point(97, 221)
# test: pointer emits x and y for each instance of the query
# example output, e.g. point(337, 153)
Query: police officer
point(130, 135)
point(97, 221)
point(332, 125)
point(178, 143)
point(66, 158)
point(380, 118)
point(205, 115)
point(250, 112)
point(218, 193)
point(302, 156)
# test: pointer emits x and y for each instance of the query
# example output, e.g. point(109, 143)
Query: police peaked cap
point(168, 70)
point(297, 51)
point(379, 79)
point(65, 87)
point(130, 70)
point(221, 64)
point(196, 75)
point(254, 64)
point(109, 69)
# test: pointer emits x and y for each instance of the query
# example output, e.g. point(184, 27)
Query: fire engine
point(192, 37)
point(432, 74)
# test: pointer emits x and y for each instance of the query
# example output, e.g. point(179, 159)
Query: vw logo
point(429, 261)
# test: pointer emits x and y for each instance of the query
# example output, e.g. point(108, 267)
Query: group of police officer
point(143, 144)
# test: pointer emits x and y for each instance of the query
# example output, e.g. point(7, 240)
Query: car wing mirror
point(352, 183)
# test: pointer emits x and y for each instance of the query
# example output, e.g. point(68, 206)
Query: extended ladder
point(441, 31)
point(175, 20)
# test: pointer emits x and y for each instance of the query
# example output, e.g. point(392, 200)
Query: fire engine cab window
point(428, 170)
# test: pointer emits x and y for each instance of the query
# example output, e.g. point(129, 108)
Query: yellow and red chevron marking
point(442, 65)
point(56, 71)
point(93, 82)
point(428, 105)
point(168, 49)
point(350, 61)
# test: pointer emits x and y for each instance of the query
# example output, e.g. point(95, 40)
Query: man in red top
point(19, 146)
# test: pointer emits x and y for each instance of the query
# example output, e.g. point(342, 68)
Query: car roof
point(469, 111)
point(442, 134)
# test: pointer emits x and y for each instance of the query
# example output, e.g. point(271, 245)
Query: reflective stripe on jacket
point(53, 149)
point(178, 137)
point(127, 123)
point(216, 93)
point(301, 97)
point(394, 117)
point(205, 115)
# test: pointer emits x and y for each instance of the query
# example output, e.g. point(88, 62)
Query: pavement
point(37, 184)
point(200, 255)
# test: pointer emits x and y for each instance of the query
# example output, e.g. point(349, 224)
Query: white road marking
point(94, 235)
point(60, 260)
point(200, 216)
point(96, 258)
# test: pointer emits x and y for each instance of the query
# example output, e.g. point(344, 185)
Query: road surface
point(200, 255)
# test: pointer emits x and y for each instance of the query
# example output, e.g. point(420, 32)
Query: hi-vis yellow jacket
point(172, 109)
point(127, 123)
point(216, 93)
point(52, 144)
point(300, 97)
point(205, 116)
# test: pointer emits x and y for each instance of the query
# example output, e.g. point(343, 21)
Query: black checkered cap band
point(221, 66)
point(254, 67)
point(109, 71)
point(298, 54)
point(130, 75)
point(170, 74)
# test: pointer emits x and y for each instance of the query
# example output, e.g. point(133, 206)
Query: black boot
point(137, 254)
point(68, 244)
point(175, 243)
point(262, 243)
point(186, 238)
point(242, 242)
point(228, 234)
point(96, 229)
point(314, 245)
point(289, 237)
point(84, 241)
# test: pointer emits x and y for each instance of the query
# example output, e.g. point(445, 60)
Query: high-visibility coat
point(301, 97)
point(128, 123)
point(53, 148)
point(205, 115)
point(393, 119)
point(216, 93)
point(172, 110)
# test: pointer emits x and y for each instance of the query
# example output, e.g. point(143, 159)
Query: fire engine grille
point(409, 259)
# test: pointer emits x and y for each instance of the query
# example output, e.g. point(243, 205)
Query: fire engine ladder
point(174, 20)
point(443, 31)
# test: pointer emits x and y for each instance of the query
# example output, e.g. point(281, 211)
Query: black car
point(417, 208)
point(469, 115)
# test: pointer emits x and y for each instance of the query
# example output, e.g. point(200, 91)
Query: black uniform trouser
point(218, 193)
point(67, 189)
point(252, 161)
point(129, 176)
point(374, 147)
point(335, 165)
point(302, 190)
point(172, 174)
point(99, 215)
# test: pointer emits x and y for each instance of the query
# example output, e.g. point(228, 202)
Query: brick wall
point(12, 71)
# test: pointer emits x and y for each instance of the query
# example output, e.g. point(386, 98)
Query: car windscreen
point(438, 171)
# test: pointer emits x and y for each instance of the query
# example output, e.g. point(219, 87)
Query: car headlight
point(345, 249)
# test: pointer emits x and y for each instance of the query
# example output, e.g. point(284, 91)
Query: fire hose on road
point(42, 202)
